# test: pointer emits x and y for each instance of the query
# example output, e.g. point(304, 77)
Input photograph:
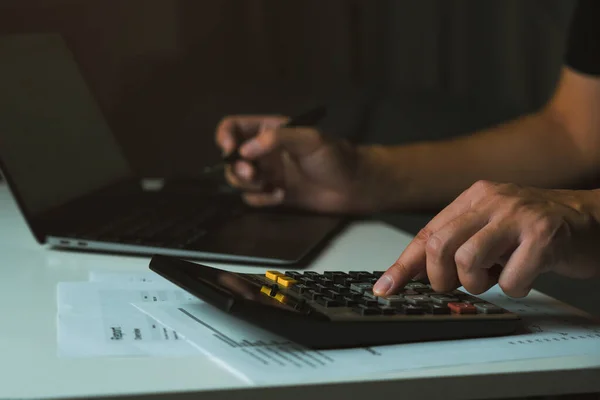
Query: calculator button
point(461, 295)
point(417, 299)
point(411, 309)
point(266, 290)
point(469, 299)
point(437, 309)
point(320, 288)
point(293, 274)
point(387, 310)
point(286, 281)
point(354, 295)
point(347, 281)
point(367, 302)
point(427, 290)
point(335, 275)
point(334, 295)
point(328, 302)
point(369, 294)
point(308, 281)
point(462, 308)
point(273, 275)
point(365, 310)
point(487, 308)
point(442, 299)
point(341, 288)
point(300, 288)
point(409, 292)
point(312, 295)
point(361, 287)
point(280, 297)
point(415, 285)
point(358, 274)
point(326, 282)
point(311, 274)
point(393, 300)
point(349, 301)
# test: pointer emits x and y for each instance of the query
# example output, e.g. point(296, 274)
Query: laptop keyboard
point(174, 224)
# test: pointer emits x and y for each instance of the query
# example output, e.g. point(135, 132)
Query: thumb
point(298, 142)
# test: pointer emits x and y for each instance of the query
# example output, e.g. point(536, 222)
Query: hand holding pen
point(276, 160)
point(231, 137)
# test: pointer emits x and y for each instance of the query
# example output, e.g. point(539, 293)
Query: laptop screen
point(54, 142)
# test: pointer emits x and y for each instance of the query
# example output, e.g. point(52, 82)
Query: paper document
point(129, 277)
point(142, 314)
point(262, 357)
point(98, 319)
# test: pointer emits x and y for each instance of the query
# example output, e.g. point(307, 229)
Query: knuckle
point(465, 257)
point(544, 228)
point(435, 248)
point(423, 235)
point(399, 268)
point(484, 187)
point(510, 206)
point(269, 138)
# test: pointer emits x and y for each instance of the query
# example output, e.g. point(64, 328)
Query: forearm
point(535, 150)
point(594, 204)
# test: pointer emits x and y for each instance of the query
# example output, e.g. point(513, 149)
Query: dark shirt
point(583, 42)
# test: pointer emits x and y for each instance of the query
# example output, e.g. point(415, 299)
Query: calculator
point(337, 309)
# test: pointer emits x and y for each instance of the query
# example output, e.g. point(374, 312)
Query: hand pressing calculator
point(338, 309)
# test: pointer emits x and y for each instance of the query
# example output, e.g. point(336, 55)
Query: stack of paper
point(144, 315)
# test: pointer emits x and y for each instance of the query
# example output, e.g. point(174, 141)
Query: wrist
point(374, 185)
point(594, 204)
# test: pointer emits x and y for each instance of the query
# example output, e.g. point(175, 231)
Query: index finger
point(232, 130)
point(410, 263)
point(413, 261)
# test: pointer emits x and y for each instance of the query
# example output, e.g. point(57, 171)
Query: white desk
point(29, 367)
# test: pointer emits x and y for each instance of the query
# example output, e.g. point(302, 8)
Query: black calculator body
point(337, 309)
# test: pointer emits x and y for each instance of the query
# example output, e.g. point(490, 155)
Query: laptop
point(76, 189)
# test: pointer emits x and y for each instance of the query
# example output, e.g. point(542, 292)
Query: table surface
point(30, 367)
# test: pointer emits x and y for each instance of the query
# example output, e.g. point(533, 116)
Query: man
point(508, 225)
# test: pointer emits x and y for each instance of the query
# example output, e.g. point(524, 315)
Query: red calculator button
point(462, 308)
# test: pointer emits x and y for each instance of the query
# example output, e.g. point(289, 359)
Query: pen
point(309, 118)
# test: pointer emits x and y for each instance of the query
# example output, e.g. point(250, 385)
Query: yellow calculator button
point(280, 297)
point(286, 281)
point(273, 275)
point(266, 290)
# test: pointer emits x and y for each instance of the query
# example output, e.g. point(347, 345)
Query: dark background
point(165, 71)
